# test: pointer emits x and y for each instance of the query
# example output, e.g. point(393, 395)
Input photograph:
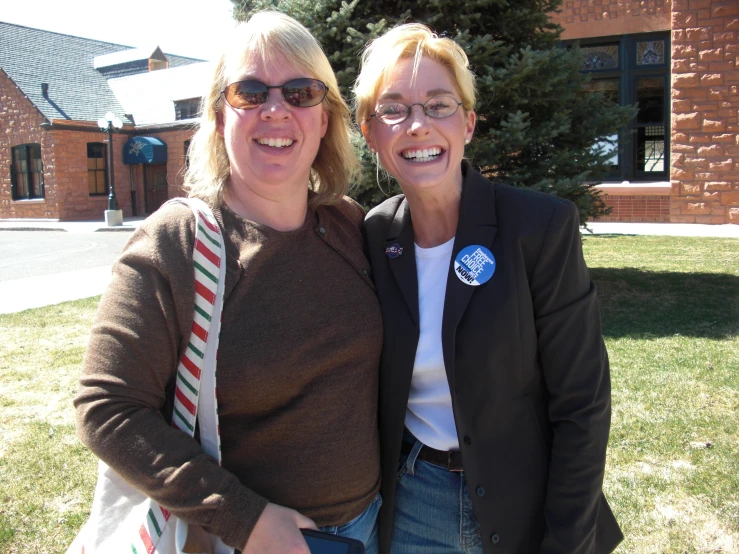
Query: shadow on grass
point(642, 304)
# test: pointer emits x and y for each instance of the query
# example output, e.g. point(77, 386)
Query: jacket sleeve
point(576, 373)
point(141, 324)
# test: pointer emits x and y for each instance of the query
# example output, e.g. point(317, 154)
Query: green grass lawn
point(671, 321)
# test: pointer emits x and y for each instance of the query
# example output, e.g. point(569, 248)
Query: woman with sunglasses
point(494, 383)
point(301, 327)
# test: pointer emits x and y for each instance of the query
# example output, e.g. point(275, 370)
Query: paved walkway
point(73, 285)
point(129, 225)
point(34, 292)
point(665, 229)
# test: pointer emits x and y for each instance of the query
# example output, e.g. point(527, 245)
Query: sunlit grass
point(46, 475)
point(671, 321)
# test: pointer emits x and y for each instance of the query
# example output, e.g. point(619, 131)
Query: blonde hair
point(411, 40)
point(270, 35)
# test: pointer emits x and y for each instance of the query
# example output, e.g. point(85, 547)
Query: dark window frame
point(628, 73)
point(23, 179)
point(104, 150)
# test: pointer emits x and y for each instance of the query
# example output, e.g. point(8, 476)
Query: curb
point(122, 229)
point(32, 229)
point(115, 230)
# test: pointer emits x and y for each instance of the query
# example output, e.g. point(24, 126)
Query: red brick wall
point(600, 18)
point(705, 104)
point(637, 208)
point(705, 95)
point(20, 123)
point(175, 158)
point(75, 201)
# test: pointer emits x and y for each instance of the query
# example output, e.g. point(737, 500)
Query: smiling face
point(271, 147)
point(422, 153)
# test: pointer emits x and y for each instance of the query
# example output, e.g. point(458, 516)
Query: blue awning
point(144, 150)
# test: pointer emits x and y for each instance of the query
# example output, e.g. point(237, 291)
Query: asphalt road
point(40, 268)
point(25, 254)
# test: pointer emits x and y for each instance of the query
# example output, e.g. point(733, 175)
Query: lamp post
point(107, 123)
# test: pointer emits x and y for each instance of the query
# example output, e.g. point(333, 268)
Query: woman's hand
point(278, 532)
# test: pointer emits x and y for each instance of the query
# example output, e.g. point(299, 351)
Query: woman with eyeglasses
point(301, 326)
point(494, 382)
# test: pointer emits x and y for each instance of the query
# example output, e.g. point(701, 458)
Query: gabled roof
point(76, 90)
point(123, 56)
point(150, 97)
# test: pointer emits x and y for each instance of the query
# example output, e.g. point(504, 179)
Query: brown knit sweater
point(297, 371)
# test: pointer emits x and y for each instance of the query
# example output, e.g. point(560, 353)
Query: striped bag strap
point(195, 390)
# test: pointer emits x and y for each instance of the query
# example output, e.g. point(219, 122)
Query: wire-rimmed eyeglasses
point(437, 107)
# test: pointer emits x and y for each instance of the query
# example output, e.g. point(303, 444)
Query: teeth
point(275, 142)
point(425, 155)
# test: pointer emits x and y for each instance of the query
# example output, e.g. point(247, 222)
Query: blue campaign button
point(474, 265)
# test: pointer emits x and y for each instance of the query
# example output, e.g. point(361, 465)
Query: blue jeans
point(363, 527)
point(433, 512)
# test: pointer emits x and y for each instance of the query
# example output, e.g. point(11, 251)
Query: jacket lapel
point(403, 265)
point(477, 226)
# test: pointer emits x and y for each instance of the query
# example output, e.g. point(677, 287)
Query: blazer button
point(480, 491)
point(322, 230)
point(495, 538)
point(467, 440)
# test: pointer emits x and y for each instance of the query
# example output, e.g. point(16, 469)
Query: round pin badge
point(393, 251)
point(474, 265)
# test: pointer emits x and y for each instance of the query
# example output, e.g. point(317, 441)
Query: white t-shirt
point(429, 415)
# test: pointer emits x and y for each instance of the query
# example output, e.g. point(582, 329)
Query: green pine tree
point(535, 126)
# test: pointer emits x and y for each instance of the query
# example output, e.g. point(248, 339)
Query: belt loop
point(410, 463)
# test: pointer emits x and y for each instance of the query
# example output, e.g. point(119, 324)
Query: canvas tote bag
point(123, 519)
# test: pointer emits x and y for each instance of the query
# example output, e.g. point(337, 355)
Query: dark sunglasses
point(301, 93)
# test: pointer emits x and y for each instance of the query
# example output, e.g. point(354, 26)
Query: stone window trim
point(26, 172)
point(29, 201)
point(647, 188)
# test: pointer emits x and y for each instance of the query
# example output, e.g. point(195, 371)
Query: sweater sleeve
point(576, 372)
point(140, 327)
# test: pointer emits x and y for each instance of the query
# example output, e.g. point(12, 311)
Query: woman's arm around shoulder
point(128, 373)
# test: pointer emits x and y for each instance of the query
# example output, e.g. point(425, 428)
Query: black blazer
point(526, 363)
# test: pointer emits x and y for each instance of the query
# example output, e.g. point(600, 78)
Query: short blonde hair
point(270, 35)
point(411, 40)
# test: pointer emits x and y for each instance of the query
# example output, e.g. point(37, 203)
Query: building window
point(27, 172)
point(187, 154)
point(97, 174)
point(651, 52)
point(629, 70)
point(187, 109)
point(600, 57)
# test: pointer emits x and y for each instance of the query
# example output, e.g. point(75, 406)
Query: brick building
point(680, 160)
point(54, 158)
